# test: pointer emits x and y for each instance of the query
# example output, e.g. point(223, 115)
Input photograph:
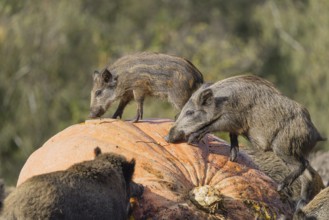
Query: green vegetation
point(49, 50)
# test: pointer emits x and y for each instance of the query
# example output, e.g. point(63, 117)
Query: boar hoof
point(300, 204)
point(115, 116)
point(136, 119)
point(280, 187)
point(233, 154)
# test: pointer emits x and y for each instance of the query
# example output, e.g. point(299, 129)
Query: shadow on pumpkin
point(154, 206)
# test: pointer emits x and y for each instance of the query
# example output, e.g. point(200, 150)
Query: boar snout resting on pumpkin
point(252, 107)
point(137, 76)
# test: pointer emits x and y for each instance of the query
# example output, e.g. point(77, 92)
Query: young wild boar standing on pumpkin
point(252, 107)
point(95, 189)
point(140, 75)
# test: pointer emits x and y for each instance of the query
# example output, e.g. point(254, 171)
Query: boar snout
point(96, 113)
point(175, 136)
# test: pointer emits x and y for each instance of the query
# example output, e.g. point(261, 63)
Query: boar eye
point(98, 92)
point(189, 113)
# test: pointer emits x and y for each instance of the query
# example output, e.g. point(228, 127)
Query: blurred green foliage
point(49, 49)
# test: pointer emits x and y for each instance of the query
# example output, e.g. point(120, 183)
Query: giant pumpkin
point(181, 181)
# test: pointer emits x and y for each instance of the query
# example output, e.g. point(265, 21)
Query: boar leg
point(123, 103)
point(139, 98)
point(234, 146)
point(302, 164)
point(312, 184)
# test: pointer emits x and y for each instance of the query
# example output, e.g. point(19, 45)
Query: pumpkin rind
point(169, 172)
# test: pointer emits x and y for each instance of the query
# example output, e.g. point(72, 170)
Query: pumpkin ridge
point(193, 178)
point(174, 160)
point(201, 162)
point(206, 165)
point(217, 170)
point(206, 153)
point(214, 165)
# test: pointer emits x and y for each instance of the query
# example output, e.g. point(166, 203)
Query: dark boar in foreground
point(317, 209)
point(140, 75)
point(252, 107)
point(96, 189)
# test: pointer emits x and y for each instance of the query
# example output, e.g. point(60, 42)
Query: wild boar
point(96, 189)
point(140, 75)
point(317, 209)
point(250, 106)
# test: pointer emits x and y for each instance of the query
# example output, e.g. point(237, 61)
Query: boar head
point(198, 116)
point(102, 93)
point(127, 170)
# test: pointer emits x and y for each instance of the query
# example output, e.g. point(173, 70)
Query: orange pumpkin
point(181, 181)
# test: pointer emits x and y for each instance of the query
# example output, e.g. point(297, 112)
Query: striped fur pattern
point(134, 77)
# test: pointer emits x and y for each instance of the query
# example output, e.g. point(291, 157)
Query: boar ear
point(107, 76)
point(95, 75)
point(128, 169)
point(97, 151)
point(206, 97)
